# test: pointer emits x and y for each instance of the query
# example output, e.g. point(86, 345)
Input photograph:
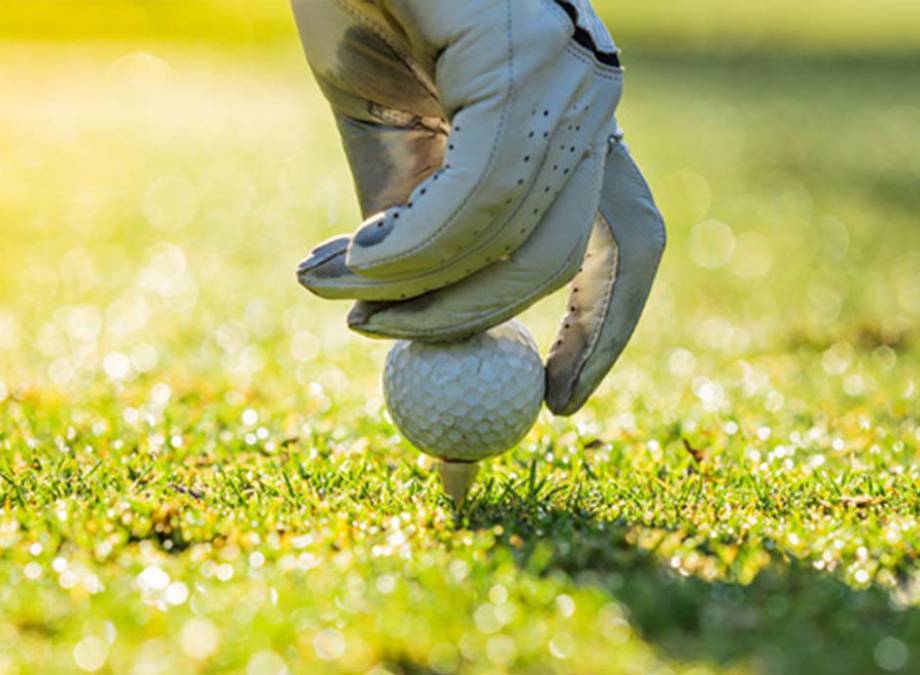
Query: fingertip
point(361, 313)
point(374, 231)
point(325, 251)
point(326, 275)
point(365, 319)
point(558, 395)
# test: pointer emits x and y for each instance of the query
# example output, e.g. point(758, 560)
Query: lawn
point(197, 473)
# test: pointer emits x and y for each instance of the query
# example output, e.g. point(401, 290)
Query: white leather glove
point(481, 135)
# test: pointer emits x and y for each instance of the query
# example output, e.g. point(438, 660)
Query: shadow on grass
point(789, 619)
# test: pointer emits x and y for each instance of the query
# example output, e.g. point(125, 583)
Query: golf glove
point(488, 163)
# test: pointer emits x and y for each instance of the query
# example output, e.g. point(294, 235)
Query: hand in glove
point(482, 139)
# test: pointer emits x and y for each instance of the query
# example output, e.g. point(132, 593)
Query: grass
point(197, 473)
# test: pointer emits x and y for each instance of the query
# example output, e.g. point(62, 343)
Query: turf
point(197, 473)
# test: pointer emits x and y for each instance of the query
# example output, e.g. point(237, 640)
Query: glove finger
point(610, 292)
point(512, 234)
point(331, 276)
point(546, 262)
point(325, 274)
point(516, 112)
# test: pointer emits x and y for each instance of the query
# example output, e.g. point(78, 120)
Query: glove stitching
point(509, 99)
point(636, 174)
point(359, 282)
point(560, 272)
point(523, 302)
point(323, 261)
point(601, 318)
point(600, 71)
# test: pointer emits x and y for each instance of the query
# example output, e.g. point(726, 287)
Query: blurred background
point(165, 164)
point(165, 383)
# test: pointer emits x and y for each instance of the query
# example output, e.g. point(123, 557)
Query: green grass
point(197, 473)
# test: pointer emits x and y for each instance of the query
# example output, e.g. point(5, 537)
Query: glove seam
point(601, 71)
point(601, 319)
point(611, 286)
point(560, 272)
point(538, 292)
point(509, 98)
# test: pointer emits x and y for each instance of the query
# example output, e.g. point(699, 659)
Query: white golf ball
point(466, 400)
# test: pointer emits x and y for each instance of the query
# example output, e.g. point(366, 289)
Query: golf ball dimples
point(466, 400)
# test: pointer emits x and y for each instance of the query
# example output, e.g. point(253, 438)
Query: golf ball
point(466, 400)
